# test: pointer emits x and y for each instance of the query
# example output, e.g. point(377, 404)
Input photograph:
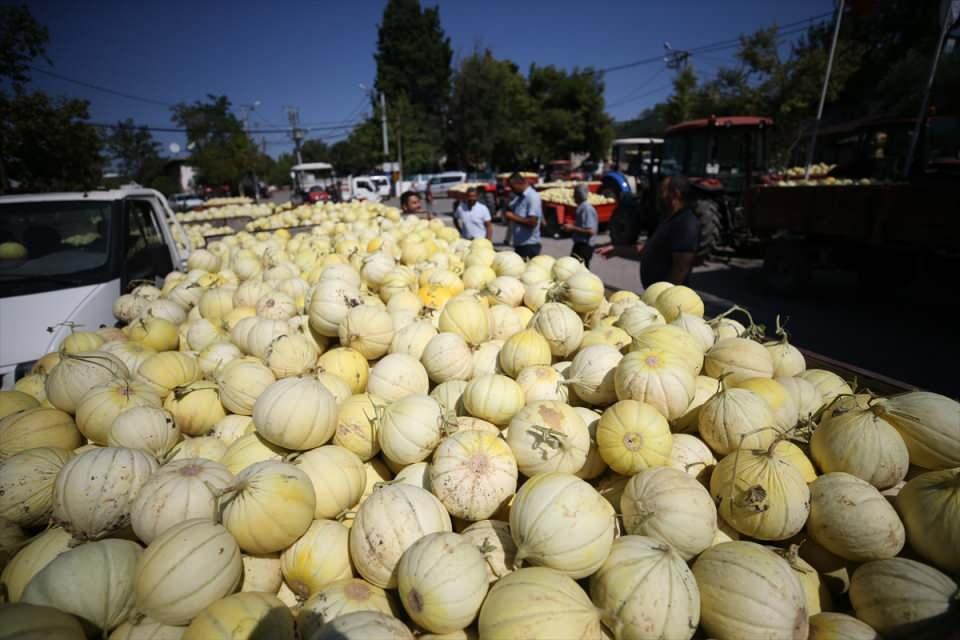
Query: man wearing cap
point(525, 211)
point(584, 227)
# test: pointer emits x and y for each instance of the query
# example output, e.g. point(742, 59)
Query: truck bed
point(922, 216)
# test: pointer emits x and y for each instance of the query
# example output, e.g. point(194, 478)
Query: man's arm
point(681, 266)
point(527, 221)
point(489, 226)
point(632, 251)
point(589, 230)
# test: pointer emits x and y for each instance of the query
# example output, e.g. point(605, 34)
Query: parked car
point(418, 182)
point(438, 185)
point(185, 201)
point(382, 184)
point(316, 194)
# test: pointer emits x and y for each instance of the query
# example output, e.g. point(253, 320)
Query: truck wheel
point(709, 216)
point(786, 266)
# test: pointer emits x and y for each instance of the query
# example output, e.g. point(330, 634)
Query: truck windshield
point(49, 245)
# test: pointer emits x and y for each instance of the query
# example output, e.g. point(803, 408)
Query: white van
point(66, 257)
point(438, 185)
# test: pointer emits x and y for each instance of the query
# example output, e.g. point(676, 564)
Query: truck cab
point(365, 188)
point(65, 258)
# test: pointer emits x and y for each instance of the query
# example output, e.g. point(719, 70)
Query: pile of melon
point(378, 430)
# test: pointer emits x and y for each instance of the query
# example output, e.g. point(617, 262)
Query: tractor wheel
point(709, 216)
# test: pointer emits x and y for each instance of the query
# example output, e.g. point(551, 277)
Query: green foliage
point(132, 148)
point(413, 72)
point(880, 68)
point(47, 145)
point(413, 56)
point(164, 184)
point(22, 39)
point(360, 152)
point(279, 173)
point(222, 151)
point(490, 115)
point(315, 151)
point(682, 103)
point(569, 112)
point(651, 122)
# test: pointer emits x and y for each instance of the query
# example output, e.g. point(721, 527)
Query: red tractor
point(723, 156)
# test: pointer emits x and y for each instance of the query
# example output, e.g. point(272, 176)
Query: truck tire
point(709, 216)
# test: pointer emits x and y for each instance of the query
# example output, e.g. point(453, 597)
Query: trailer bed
point(922, 216)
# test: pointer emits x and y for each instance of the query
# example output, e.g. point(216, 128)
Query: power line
point(96, 87)
point(641, 86)
point(641, 96)
point(713, 46)
point(161, 129)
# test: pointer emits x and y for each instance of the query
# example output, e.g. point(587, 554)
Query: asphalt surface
point(909, 336)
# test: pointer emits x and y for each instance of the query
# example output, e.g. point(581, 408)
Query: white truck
point(65, 258)
point(311, 181)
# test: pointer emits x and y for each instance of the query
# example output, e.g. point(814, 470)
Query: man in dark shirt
point(670, 252)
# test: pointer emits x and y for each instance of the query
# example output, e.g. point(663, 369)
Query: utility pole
point(675, 58)
point(823, 92)
point(950, 21)
point(245, 111)
point(383, 126)
point(293, 117)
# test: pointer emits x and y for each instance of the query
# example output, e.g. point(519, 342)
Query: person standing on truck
point(472, 218)
point(525, 212)
point(669, 254)
point(585, 226)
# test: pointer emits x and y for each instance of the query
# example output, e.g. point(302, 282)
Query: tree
point(413, 72)
point(413, 56)
point(361, 150)
point(651, 122)
point(22, 39)
point(315, 150)
point(680, 107)
point(45, 143)
point(222, 151)
point(490, 118)
point(132, 148)
point(569, 112)
point(279, 173)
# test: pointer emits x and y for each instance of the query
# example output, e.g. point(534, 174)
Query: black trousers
point(527, 251)
point(583, 251)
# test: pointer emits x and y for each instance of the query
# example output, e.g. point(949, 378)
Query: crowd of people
point(668, 254)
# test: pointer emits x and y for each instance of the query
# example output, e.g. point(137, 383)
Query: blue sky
point(314, 55)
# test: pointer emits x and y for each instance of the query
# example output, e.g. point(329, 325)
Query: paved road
point(911, 340)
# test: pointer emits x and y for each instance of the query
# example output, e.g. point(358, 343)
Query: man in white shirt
point(472, 218)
